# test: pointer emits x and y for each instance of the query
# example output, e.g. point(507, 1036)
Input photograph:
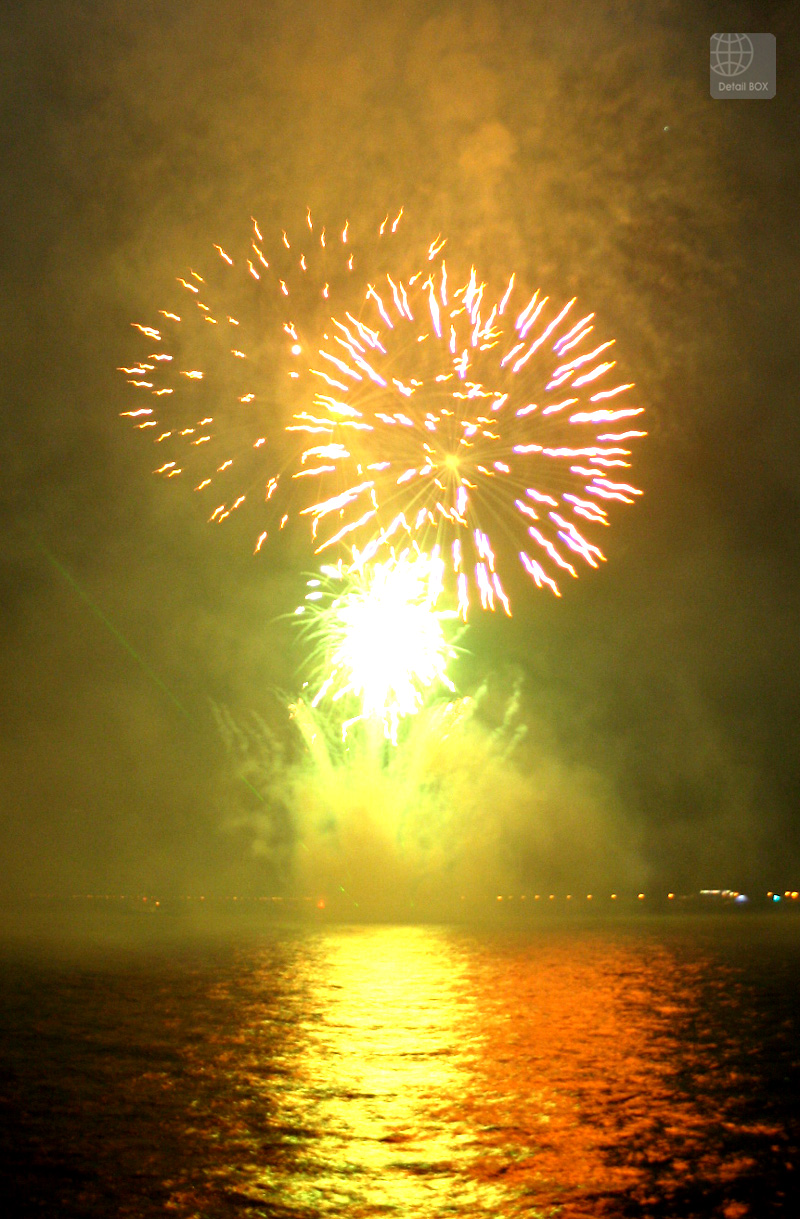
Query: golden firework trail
point(217, 358)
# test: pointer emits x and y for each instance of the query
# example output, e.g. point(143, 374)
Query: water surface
point(647, 1068)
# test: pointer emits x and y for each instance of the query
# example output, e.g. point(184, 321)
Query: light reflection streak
point(384, 1049)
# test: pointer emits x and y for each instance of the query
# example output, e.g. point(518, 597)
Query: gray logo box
point(743, 66)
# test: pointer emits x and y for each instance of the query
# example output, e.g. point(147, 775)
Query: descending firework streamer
point(225, 363)
point(444, 415)
point(379, 640)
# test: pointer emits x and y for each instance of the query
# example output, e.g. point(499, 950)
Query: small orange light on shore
point(641, 897)
point(670, 896)
point(613, 897)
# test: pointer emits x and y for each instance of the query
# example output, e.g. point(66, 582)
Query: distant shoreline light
point(637, 899)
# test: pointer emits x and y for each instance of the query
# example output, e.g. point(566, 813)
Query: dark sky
point(576, 143)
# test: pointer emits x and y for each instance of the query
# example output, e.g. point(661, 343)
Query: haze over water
point(639, 1068)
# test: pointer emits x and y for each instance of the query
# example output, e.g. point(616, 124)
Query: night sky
point(574, 143)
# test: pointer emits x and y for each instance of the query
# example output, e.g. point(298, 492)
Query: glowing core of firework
point(380, 641)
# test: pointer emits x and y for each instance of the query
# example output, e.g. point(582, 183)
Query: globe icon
point(731, 54)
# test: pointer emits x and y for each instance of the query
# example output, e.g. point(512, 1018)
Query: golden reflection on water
point(376, 1075)
point(424, 1072)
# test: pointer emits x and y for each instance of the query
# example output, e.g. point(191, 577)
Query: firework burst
point(390, 408)
point(211, 386)
point(379, 640)
point(442, 415)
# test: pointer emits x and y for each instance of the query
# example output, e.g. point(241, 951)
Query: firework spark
point(379, 639)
